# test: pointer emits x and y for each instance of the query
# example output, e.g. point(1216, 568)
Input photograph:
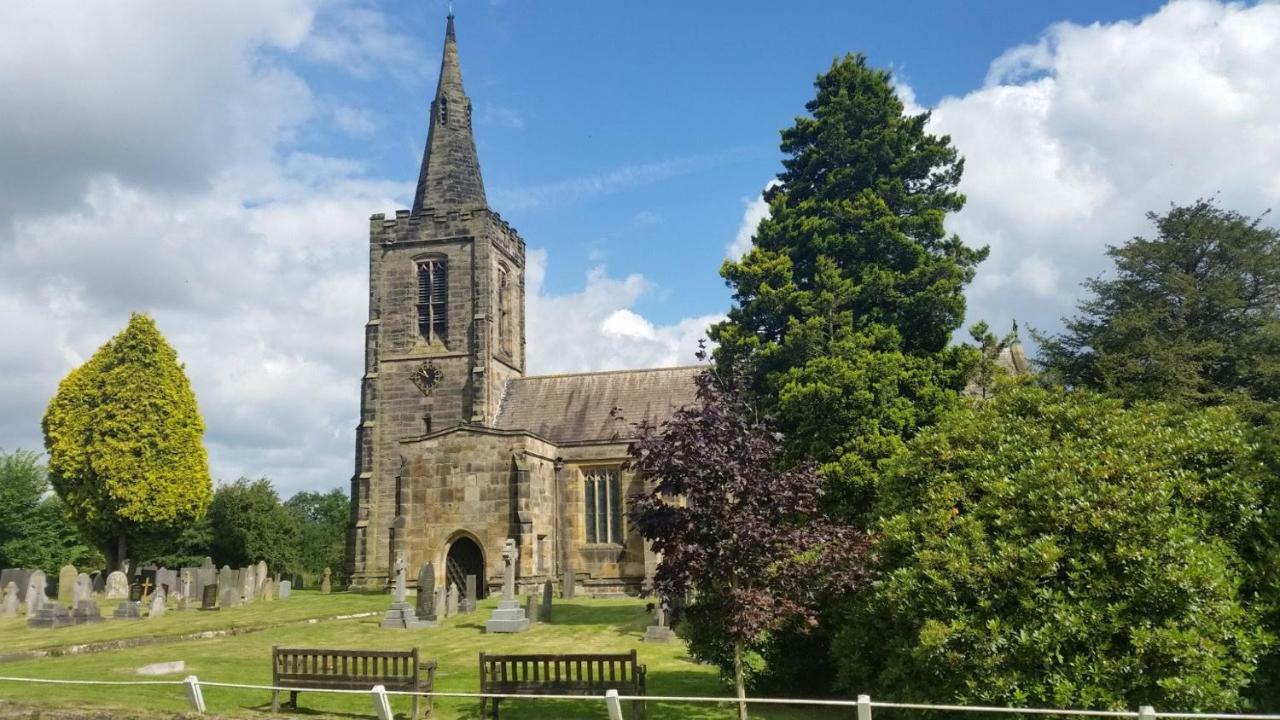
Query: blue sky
point(215, 165)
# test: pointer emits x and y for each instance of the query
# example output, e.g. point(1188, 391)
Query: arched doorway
point(465, 558)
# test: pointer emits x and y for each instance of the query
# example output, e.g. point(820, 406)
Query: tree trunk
point(737, 679)
point(122, 550)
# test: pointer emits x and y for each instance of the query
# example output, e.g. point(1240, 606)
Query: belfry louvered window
point(433, 299)
point(504, 312)
point(603, 511)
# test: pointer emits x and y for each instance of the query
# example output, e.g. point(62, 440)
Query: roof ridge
point(606, 372)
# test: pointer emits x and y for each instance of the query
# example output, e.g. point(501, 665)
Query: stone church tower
point(446, 321)
point(457, 451)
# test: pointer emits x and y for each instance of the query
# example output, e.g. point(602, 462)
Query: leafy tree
point(34, 531)
point(1190, 316)
point(1062, 549)
point(322, 528)
point(124, 438)
point(249, 524)
point(844, 308)
point(747, 535)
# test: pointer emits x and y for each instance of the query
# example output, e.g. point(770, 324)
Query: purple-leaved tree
point(735, 526)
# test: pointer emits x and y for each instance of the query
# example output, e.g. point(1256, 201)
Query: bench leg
point(414, 716)
point(637, 710)
point(275, 701)
point(495, 708)
point(293, 699)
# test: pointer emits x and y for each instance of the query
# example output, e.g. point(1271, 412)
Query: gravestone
point(67, 583)
point(167, 579)
point(98, 581)
point(131, 608)
point(10, 575)
point(426, 605)
point(658, 632)
point(326, 586)
point(531, 608)
point(224, 580)
point(545, 615)
point(35, 592)
point(9, 607)
point(508, 617)
point(209, 598)
point(442, 603)
point(50, 614)
point(260, 575)
point(117, 587)
point(249, 584)
point(451, 604)
point(570, 584)
point(158, 606)
point(469, 600)
point(84, 608)
point(230, 598)
point(286, 589)
point(147, 577)
point(400, 615)
point(187, 589)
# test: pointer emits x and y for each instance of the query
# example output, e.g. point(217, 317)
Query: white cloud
point(1074, 138)
point(354, 121)
point(757, 209)
point(503, 117)
point(598, 329)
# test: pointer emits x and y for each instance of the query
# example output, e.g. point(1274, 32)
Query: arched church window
point(444, 110)
point(504, 310)
point(603, 511)
point(433, 299)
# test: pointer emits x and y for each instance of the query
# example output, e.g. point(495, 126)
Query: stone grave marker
point(10, 575)
point(131, 607)
point(158, 606)
point(167, 579)
point(442, 603)
point(84, 608)
point(117, 587)
point(469, 601)
point(249, 584)
point(67, 583)
point(209, 598)
point(230, 598)
point(9, 607)
point(570, 584)
point(451, 604)
point(545, 615)
point(426, 609)
point(326, 585)
point(400, 615)
point(35, 592)
point(531, 607)
point(508, 617)
point(187, 589)
point(267, 592)
point(658, 632)
point(260, 575)
point(147, 576)
point(50, 614)
point(163, 668)
point(286, 589)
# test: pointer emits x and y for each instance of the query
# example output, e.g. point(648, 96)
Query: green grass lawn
point(578, 626)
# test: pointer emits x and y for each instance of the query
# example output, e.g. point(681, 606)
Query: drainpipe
point(560, 557)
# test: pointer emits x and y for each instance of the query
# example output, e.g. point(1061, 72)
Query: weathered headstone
point(451, 603)
point(167, 579)
point(230, 598)
point(658, 632)
point(426, 605)
point(286, 589)
point(187, 589)
point(570, 584)
point(545, 615)
point(224, 580)
point(84, 608)
point(158, 606)
point(163, 668)
point(442, 603)
point(50, 614)
point(130, 608)
point(66, 583)
point(147, 577)
point(400, 615)
point(10, 575)
point(209, 598)
point(249, 584)
point(469, 600)
point(326, 585)
point(117, 587)
point(260, 575)
point(267, 592)
point(35, 592)
point(508, 617)
point(531, 608)
point(9, 607)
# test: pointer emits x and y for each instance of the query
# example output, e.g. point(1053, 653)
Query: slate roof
point(576, 408)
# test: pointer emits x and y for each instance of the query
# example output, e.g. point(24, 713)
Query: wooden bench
point(562, 675)
point(298, 669)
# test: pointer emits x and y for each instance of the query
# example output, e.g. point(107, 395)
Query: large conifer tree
point(845, 306)
point(125, 440)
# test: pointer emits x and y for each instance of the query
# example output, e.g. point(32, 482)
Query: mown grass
point(577, 626)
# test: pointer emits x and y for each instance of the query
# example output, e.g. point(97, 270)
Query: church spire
point(450, 175)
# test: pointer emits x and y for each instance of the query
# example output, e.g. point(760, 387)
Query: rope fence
point(380, 698)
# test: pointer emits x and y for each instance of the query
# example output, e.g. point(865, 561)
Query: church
point(458, 449)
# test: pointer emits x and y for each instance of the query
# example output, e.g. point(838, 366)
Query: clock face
point(427, 376)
